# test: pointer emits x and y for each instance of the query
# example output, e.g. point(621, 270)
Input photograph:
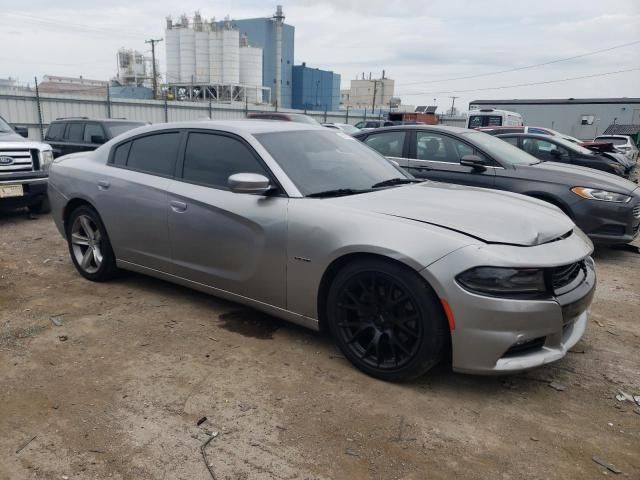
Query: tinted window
point(360, 124)
point(55, 131)
point(543, 150)
point(441, 148)
point(74, 132)
point(498, 149)
point(155, 153)
point(119, 128)
point(317, 161)
point(92, 130)
point(389, 144)
point(614, 140)
point(211, 159)
point(121, 153)
point(513, 141)
point(476, 121)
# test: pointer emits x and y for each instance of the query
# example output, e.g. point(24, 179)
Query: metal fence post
point(39, 109)
point(108, 102)
point(365, 114)
point(246, 106)
point(325, 115)
point(210, 110)
point(276, 105)
point(166, 110)
point(346, 117)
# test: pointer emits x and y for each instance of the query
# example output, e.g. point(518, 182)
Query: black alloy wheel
point(386, 320)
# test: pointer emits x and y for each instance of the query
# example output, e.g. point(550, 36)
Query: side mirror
point(22, 131)
point(475, 162)
point(249, 183)
point(97, 139)
point(555, 153)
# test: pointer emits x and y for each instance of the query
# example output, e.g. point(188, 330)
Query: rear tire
point(386, 320)
point(89, 245)
point(43, 206)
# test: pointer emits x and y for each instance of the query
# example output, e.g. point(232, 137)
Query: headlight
point(603, 195)
point(505, 282)
point(46, 158)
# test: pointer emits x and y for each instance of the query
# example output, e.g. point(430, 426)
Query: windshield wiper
point(338, 192)
point(396, 181)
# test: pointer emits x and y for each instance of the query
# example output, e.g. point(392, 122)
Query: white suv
point(622, 143)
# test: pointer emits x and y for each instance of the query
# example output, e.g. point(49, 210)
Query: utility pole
point(453, 102)
point(153, 42)
point(375, 86)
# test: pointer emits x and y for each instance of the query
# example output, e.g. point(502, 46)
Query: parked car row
point(605, 207)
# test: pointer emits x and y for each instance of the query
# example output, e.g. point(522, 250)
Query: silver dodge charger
point(314, 227)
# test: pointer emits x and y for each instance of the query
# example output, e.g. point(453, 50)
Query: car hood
point(487, 215)
point(576, 176)
point(24, 143)
point(11, 137)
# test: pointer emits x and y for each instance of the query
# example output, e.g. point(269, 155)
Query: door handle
point(103, 184)
point(178, 206)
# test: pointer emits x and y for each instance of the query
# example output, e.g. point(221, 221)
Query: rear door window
point(155, 154)
point(389, 144)
point(75, 132)
point(93, 130)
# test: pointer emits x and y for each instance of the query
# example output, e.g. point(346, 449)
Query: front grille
point(636, 211)
point(526, 347)
point(16, 160)
point(563, 276)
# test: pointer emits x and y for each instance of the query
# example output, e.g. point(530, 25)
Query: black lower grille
point(526, 347)
point(563, 276)
point(618, 230)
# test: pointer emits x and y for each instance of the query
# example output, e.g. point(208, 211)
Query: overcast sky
point(413, 40)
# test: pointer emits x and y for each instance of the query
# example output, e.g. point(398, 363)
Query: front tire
point(89, 245)
point(42, 206)
point(386, 320)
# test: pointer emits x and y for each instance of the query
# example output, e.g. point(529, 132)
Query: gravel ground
point(110, 381)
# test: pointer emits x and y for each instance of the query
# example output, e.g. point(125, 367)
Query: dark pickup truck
point(24, 170)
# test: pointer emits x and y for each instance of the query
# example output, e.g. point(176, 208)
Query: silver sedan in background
point(310, 225)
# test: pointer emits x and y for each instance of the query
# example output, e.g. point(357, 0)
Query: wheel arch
point(73, 204)
point(339, 263)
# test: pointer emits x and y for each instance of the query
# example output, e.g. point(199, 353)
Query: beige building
point(365, 93)
point(73, 85)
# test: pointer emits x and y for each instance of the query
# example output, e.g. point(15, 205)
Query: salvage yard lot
point(111, 380)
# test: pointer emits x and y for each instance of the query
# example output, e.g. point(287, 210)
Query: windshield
point(4, 126)
point(317, 161)
point(614, 140)
point(572, 146)
point(119, 128)
point(499, 149)
point(350, 129)
point(476, 121)
point(304, 119)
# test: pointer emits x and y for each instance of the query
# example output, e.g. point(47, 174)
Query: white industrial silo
point(251, 72)
point(172, 46)
point(202, 49)
point(202, 56)
point(215, 54)
point(230, 55)
point(187, 55)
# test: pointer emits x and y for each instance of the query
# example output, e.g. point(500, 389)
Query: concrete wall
point(262, 33)
point(315, 89)
point(568, 117)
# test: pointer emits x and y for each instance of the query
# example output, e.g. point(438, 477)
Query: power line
point(68, 27)
point(525, 67)
point(524, 84)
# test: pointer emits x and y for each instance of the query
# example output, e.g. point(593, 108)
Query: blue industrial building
point(262, 33)
point(315, 89)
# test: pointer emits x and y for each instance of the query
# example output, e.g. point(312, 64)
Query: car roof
point(100, 120)
point(246, 127)
point(436, 128)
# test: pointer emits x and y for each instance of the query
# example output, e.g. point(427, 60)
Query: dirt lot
point(115, 391)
